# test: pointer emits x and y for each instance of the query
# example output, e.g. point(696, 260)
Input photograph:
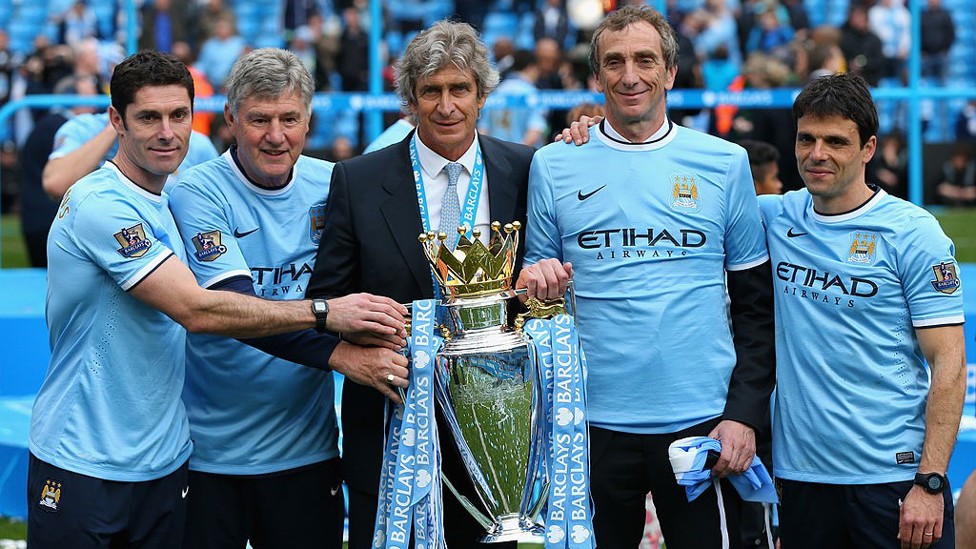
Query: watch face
point(935, 483)
point(319, 306)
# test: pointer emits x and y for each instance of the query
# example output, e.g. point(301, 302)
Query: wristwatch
point(933, 483)
point(320, 308)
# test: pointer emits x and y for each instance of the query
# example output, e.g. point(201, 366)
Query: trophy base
point(510, 528)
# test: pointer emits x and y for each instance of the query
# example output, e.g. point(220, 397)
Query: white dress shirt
point(435, 185)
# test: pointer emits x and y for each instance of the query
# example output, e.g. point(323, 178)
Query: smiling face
point(831, 161)
point(153, 134)
point(447, 109)
point(270, 136)
point(634, 79)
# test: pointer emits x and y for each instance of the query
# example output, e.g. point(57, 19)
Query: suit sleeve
point(336, 271)
point(753, 335)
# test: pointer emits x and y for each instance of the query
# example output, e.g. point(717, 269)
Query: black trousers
point(626, 466)
point(849, 516)
point(67, 510)
point(294, 509)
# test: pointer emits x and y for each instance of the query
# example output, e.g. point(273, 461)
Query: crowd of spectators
point(725, 45)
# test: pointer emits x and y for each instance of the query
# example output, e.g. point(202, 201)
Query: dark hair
point(760, 152)
point(631, 15)
point(761, 155)
point(143, 69)
point(522, 59)
point(845, 95)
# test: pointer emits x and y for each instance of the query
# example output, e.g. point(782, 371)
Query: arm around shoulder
point(62, 172)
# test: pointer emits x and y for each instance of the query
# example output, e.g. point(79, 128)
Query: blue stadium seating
point(259, 22)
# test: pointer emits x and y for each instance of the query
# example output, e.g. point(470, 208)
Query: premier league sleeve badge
point(207, 245)
point(946, 279)
point(133, 240)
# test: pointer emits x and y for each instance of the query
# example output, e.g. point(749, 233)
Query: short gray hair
point(630, 15)
point(444, 43)
point(268, 73)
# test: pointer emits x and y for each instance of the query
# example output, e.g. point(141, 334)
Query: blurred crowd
point(537, 44)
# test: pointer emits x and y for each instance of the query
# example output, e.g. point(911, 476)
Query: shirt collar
point(432, 163)
point(614, 134)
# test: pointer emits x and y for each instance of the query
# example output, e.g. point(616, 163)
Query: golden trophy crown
point(473, 269)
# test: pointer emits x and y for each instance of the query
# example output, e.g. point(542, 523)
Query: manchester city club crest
point(208, 246)
point(684, 193)
point(133, 240)
point(316, 222)
point(862, 248)
point(50, 496)
point(946, 279)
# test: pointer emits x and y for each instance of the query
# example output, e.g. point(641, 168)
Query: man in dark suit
point(376, 210)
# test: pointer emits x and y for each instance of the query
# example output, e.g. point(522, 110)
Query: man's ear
point(117, 120)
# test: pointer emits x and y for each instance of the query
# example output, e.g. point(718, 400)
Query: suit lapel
point(401, 212)
point(502, 194)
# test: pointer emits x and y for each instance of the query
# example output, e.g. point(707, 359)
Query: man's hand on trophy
point(738, 447)
point(381, 369)
point(579, 131)
point(367, 319)
point(546, 280)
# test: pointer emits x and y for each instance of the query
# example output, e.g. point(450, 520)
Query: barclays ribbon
point(469, 208)
point(555, 345)
point(410, 495)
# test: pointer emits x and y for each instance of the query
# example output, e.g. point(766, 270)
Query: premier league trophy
point(523, 445)
point(486, 384)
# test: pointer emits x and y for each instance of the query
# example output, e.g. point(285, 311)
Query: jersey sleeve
point(745, 238)
point(68, 138)
point(770, 206)
point(119, 238)
point(212, 251)
point(930, 275)
point(542, 237)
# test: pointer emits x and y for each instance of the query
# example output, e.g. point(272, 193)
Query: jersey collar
point(231, 156)
point(130, 184)
point(864, 208)
point(614, 140)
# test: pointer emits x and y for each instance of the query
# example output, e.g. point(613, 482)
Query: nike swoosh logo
point(335, 490)
point(239, 234)
point(583, 197)
point(791, 234)
point(186, 491)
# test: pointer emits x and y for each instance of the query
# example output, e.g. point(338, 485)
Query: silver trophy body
point(488, 389)
point(486, 382)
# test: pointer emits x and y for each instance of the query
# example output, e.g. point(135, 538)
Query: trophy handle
point(484, 521)
point(547, 309)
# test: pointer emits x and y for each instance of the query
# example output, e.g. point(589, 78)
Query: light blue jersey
point(511, 124)
point(394, 134)
point(110, 404)
point(251, 413)
point(79, 130)
point(850, 291)
point(650, 229)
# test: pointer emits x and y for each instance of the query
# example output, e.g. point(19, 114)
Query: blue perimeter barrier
point(324, 103)
point(25, 354)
